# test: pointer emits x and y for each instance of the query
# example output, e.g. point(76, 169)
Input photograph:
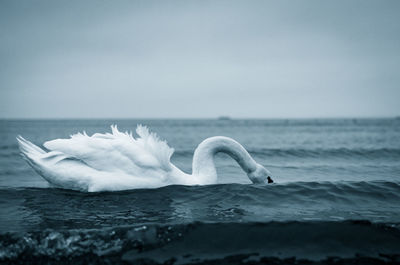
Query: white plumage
point(117, 151)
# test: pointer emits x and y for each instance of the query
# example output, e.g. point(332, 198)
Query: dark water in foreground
point(336, 199)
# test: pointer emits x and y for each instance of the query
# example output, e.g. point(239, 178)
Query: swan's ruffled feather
point(118, 151)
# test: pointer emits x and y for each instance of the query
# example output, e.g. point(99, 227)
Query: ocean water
point(335, 200)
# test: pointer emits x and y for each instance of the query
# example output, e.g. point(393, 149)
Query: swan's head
point(260, 175)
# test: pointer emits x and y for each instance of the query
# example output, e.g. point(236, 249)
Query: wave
point(206, 242)
point(320, 153)
point(302, 201)
point(390, 153)
point(325, 190)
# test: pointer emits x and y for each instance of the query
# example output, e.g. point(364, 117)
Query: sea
point(335, 198)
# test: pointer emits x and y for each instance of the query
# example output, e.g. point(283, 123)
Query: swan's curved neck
point(203, 158)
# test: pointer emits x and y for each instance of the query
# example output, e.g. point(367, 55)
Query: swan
point(119, 161)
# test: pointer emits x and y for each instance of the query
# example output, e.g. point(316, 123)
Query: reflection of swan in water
point(118, 161)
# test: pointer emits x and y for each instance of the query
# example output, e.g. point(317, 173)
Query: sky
point(199, 59)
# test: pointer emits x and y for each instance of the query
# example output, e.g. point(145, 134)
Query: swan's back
point(117, 151)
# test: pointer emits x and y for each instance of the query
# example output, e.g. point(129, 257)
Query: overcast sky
point(183, 59)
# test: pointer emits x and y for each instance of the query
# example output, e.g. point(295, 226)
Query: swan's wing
point(68, 172)
point(118, 152)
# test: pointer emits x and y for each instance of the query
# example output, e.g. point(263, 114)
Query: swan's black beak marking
point(270, 180)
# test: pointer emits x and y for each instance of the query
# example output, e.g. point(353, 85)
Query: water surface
point(337, 182)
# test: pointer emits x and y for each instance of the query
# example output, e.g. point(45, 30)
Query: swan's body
point(118, 161)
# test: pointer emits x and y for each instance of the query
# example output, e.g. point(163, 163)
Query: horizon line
point(223, 117)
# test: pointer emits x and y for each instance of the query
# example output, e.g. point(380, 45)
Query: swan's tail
point(29, 151)
point(27, 148)
point(44, 164)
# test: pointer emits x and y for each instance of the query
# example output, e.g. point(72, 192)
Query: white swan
point(118, 161)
